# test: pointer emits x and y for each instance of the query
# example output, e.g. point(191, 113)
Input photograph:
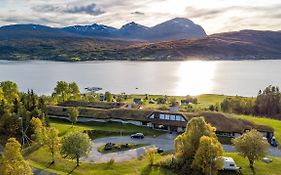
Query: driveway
point(166, 142)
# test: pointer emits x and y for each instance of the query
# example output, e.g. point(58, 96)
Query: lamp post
point(22, 132)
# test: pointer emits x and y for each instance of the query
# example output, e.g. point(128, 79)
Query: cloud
point(214, 15)
point(137, 13)
point(236, 17)
point(90, 9)
point(269, 11)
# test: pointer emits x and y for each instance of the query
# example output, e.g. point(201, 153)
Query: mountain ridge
point(38, 42)
point(128, 31)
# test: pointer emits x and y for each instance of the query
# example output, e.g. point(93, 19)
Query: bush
point(150, 155)
point(167, 161)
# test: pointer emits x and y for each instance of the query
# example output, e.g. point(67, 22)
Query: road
point(166, 142)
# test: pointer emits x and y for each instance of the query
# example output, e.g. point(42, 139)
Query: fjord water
point(172, 78)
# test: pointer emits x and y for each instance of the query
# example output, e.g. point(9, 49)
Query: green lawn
point(40, 159)
point(276, 124)
point(102, 129)
point(261, 168)
point(209, 99)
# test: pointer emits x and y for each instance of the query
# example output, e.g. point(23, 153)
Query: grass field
point(40, 159)
point(276, 124)
point(210, 99)
point(261, 168)
point(203, 99)
point(105, 129)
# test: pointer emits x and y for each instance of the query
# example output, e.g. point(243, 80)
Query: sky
point(213, 15)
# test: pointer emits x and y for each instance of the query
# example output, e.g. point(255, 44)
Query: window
point(152, 116)
point(182, 119)
point(178, 118)
point(162, 116)
point(172, 117)
point(167, 117)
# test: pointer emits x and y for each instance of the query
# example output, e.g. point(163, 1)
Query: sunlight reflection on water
point(196, 77)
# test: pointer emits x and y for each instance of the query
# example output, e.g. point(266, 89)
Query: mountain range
point(178, 28)
point(176, 39)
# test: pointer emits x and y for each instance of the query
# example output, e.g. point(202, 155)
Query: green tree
point(150, 154)
point(187, 143)
point(52, 141)
point(73, 114)
point(268, 101)
point(208, 156)
point(1, 94)
point(10, 91)
point(74, 91)
point(251, 145)
point(108, 96)
point(66, 91)
point(39, 130)
point(76, 145)
point(13, 161)
point(61, 91)
point(173, 101)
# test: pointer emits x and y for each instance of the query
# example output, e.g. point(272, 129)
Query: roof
point(117, 113)
point(103, 105)
point(228, 159)
point(221, 121)
point(137, 100)
point(225, 123)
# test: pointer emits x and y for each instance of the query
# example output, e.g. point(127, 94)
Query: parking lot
point(166, 142)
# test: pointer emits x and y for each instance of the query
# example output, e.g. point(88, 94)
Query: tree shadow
point(73, 169)
point(148, 170)
point(50, 164)
point(253, 170)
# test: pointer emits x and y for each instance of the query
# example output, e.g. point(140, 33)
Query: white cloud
point(213, 15)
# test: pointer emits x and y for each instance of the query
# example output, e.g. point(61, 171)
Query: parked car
point(108, 146)
point(160, 150)
point(266, 160)
point(137, 136)
point(229, 164)
point(273, 142)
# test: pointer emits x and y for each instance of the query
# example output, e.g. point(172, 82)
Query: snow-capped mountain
point(178, 28)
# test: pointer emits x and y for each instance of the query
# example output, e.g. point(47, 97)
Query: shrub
point(150, 155)
point(167, 161)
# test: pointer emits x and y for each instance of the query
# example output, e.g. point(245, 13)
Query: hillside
point(245, 44)
point(241, 45)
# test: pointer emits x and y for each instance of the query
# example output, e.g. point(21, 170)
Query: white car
point(229, 164)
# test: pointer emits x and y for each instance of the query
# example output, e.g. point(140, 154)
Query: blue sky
point(214, 15)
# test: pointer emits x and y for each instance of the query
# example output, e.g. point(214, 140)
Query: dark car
point(160, 150)
point(108, 146)
point(273, 142)
point(137, 136)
